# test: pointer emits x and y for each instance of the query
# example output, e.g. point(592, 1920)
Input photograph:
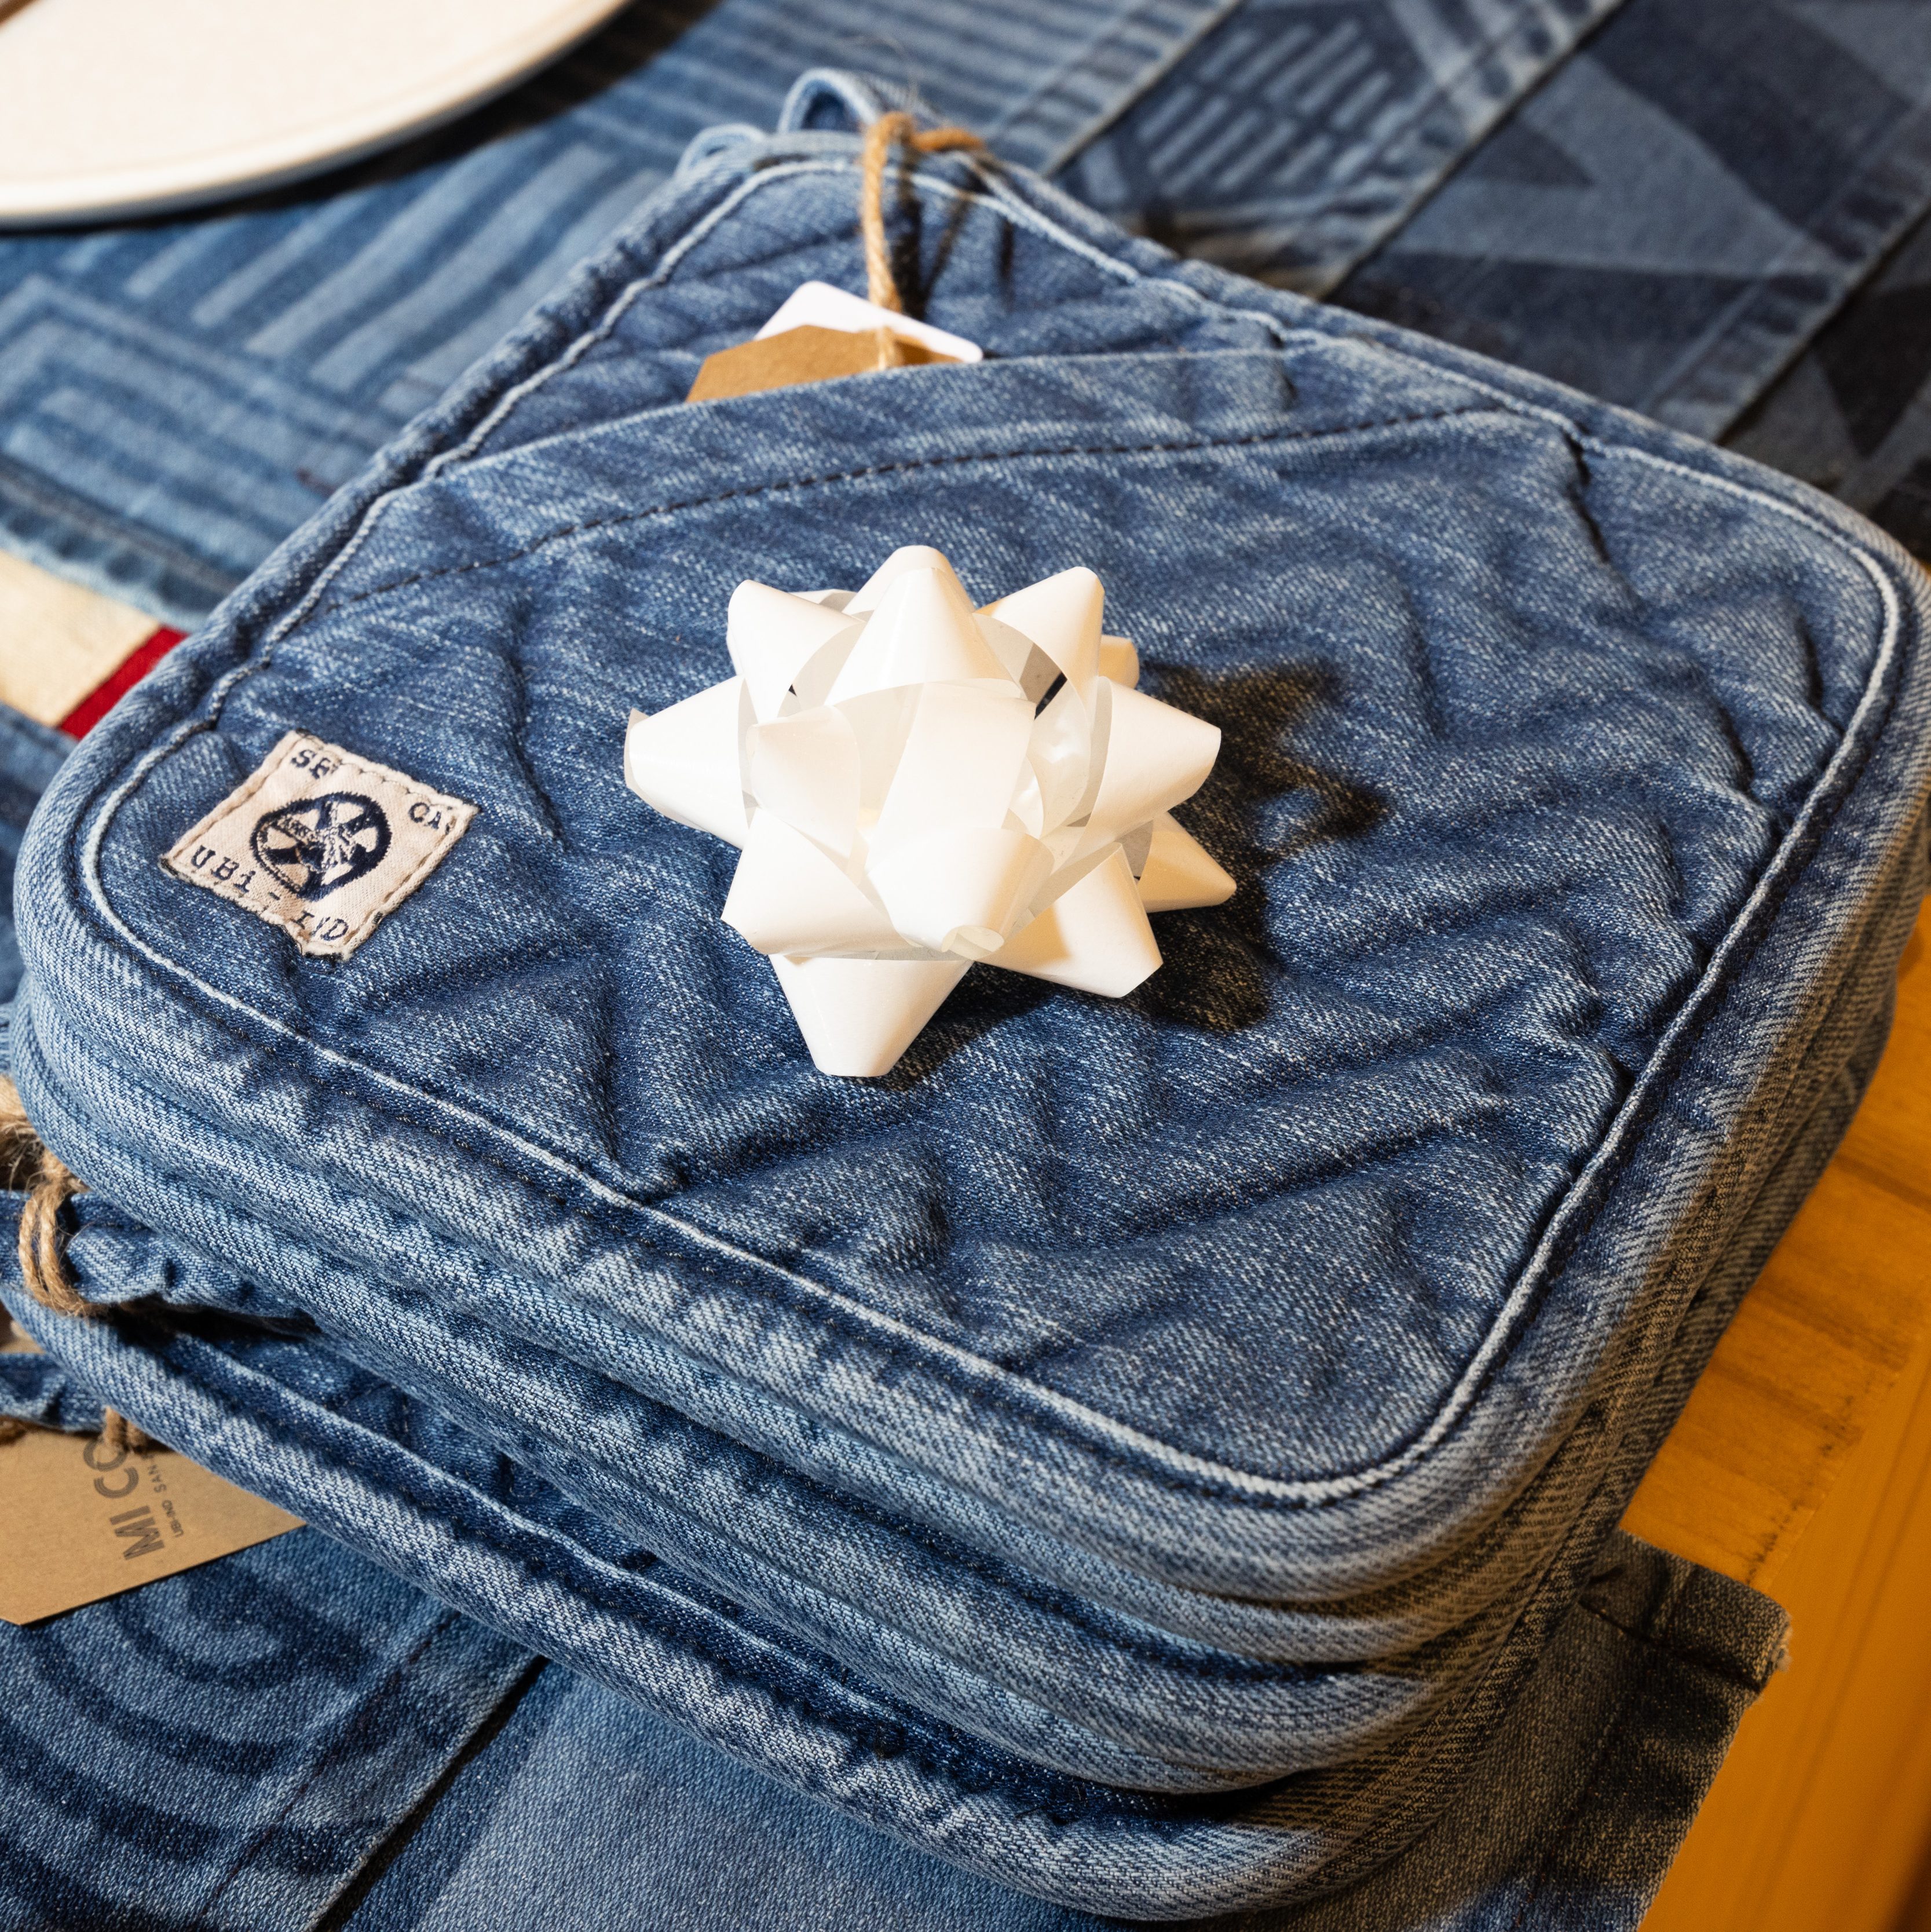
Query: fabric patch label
point(321, 843)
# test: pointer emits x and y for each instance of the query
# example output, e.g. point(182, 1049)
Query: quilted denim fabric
point(176, 396)
point(252, 1744)
point(422, 1496)
point(1575, 782)
point(266, 1676)
point(1044, 1672)
point(1579, 1794)
point(30, 754)
point(1076, 1683)
point(1569, 1817)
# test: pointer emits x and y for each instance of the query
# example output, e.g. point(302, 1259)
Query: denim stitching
point(896, 1733)
point(837, 476)
point(860, 1326)
point(934, 1544)
point(576, 348)
point(1220, 1671)
point(325, 1759)
point(1599, 1764)
point(1063, 1801)
point(1193, 1473)
point(583, 342)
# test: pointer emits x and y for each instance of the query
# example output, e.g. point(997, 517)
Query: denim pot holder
point(1138, 1449)
point(30, 754)
point(1568, 1818)
point(303, 1746)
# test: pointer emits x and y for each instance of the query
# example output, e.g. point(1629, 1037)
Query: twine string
point(52, 1184)
point(881, 137)
point(119, 1436)
point(42, 1242)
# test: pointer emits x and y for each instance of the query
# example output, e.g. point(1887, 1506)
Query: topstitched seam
point(325, 1759)
point(720, 1452)
point(1058, 1412)
point(830, 477)
point(1064, 1800)
point(1626, 1699)
point(934, 1746)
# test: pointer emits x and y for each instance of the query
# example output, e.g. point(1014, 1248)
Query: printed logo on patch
point(321, 843)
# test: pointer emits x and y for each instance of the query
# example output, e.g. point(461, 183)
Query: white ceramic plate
point(121, 107)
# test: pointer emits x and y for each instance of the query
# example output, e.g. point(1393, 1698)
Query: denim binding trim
point(1185, 1469)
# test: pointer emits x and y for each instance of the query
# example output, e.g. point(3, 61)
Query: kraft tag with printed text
point(86, 1522)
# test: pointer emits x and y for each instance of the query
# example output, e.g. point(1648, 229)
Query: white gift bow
point(917, 785)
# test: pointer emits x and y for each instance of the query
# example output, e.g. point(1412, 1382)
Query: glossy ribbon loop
point(917, 785)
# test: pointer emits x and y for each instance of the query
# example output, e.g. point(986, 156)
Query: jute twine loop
point(880, 136)
point(50, 1183)
point(19, 1144)
point(119, 1436)
point(43, 1258)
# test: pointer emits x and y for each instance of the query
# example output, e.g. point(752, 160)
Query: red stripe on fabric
point(101, 700)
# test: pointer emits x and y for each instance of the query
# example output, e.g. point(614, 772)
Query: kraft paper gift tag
point(819, 332)
point(84, 1522)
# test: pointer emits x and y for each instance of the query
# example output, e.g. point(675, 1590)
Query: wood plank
point(1821, 1340)
point(1802, 1463)
point(1818, 1819)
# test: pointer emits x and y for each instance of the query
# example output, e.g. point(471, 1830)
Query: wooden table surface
point(1802, 1465)
point(1821, 1338)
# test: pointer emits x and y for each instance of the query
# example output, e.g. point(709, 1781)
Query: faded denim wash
point(1568, 1820)
point(1071, 1685)
point(1575, 783)
point(1624, 1863)
point(177, 395)
point(1681, 207)
point(366, 1465)
point(30, 754)
point(257, 1744)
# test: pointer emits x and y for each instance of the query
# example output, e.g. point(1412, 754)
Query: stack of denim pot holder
point(1160, 1457)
